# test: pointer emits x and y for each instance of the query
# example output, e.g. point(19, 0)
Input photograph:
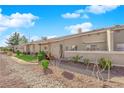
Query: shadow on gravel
point(68, 75)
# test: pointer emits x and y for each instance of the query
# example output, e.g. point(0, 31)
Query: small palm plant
point(105, 63)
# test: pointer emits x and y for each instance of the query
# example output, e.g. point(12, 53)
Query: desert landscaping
point(17, 73)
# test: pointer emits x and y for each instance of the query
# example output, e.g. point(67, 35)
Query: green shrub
point(18, 53)
point(86, 61)
point(45, 63)
point(76, 58)
point(41, 55)
point(105, 63)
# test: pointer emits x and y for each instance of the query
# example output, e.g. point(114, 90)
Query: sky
point(53, 21)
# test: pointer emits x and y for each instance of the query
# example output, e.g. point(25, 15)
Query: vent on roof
point(79, 30)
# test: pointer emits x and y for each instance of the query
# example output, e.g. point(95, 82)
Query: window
point(74, 47)
point(88, 47)
point(45, 47)
point(120, 47)
point(93, 47)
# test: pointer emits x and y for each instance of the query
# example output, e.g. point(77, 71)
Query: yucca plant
point(105, 63)
point(76, 58)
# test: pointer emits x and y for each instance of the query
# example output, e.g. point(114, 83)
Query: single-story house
point(106, 39)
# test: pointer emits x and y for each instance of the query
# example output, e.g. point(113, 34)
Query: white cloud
point(71, 15)
point(85, 16)
point(49, 37)
point(99, 9)
point(2, 43)
point(2, 29)
point(21, 20)
point(34, 38)
point(95, 9)
point(87, 26)
point(79, 11)
point(17, 20)
point(3, 40)
point(76, 14)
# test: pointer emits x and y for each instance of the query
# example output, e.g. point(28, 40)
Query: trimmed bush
point(41, 56)
point(105, 63)
point(45, 64)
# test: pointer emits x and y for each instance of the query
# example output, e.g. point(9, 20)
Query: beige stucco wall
point(70, 42)
point(99, 39)
point(27, 48)
point(116, 57)
point(32, 48)
point(24, 48)
point(55, 49)
point(118, 38)
point(37, 48)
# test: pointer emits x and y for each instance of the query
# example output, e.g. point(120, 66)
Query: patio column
point(109, 40)
point(112, 41)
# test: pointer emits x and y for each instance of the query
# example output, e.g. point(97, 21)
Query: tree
point(23, 40)
point(16, 39)
point(13, 39)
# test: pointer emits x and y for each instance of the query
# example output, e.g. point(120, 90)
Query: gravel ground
point(13, 74)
